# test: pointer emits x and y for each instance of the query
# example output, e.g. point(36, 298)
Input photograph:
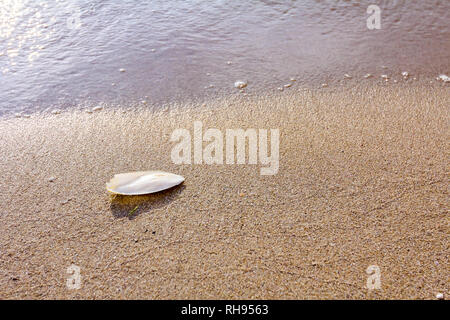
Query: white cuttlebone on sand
point(142, 182)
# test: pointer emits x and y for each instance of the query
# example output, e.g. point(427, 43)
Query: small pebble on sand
point(17, 115)
point(293, 79)
point(443, 78)
point(384, 76)
point(51, 179)
point(229, 62)
point(240, 84)
point(347, 76)
point(280, 88)
point(288, 85)
point(324, 85)
point(367, 75)
point(440, 296)
point(56, 111)
point(97, 108)
point(122, 70)
point(405, 74)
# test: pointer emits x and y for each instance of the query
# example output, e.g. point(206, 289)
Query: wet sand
point(363, 180)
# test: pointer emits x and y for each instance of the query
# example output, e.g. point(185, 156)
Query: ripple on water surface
point(63, 53)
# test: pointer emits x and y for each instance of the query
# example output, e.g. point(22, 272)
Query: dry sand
point(363, 180)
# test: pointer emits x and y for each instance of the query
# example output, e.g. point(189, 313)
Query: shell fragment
point(240, 84)
point(142, 182)
point(444, 78)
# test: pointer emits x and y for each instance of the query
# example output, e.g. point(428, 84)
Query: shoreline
point(362, 181)
point(183, 102)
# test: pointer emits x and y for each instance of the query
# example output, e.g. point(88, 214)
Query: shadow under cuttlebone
point(132, 206)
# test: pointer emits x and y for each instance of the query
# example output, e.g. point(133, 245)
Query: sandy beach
point(363, 180)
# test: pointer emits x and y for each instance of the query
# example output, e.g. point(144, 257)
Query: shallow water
point(67, 53)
